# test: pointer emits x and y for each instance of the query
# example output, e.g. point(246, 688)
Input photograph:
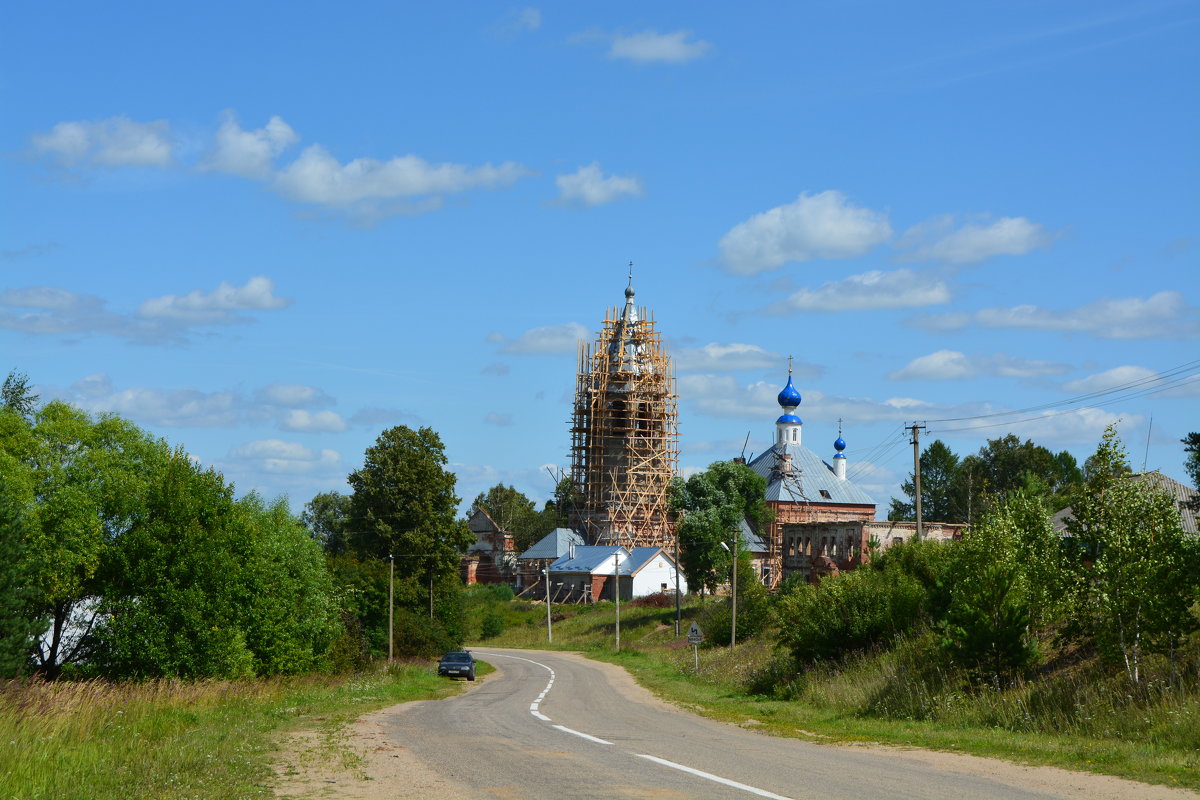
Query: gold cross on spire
point(789, 366)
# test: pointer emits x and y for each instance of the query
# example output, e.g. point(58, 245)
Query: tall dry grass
point(209, 740)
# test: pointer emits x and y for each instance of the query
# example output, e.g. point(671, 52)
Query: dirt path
point(361, 763)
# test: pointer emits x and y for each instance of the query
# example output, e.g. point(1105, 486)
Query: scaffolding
point(624, 434)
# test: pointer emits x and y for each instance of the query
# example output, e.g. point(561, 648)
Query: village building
point(819, 549)
point(586, 574)
point(492, 558)
point(801, 486)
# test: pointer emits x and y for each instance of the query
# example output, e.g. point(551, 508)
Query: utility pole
point(549, 631)
point(617, 589)
point(733, 596)
point(678, 608)
point(391, 604)
point(916, 443)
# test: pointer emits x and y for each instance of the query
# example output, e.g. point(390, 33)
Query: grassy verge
point(165, 739)
point(1155, 742)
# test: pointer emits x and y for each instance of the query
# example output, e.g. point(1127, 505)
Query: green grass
point(165, 739)
point(1080, 718)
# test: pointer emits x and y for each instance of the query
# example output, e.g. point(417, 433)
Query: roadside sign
point(695, 635)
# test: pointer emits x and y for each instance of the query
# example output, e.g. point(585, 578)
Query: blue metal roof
point(554, 544)
point(641, 556)
point(587, 559)
point(751, 541)
point(809, 476)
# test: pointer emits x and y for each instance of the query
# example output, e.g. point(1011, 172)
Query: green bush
point(843, 614)
point(493, 625)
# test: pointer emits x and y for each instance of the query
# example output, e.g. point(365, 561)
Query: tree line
point(121, 556)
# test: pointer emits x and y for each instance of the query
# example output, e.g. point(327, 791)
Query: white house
point(585, 574)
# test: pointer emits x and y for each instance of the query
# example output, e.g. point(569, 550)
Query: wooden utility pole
point(916, 443)
point(391, 604)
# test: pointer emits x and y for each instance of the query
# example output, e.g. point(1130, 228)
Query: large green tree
point(404, 504)
point(939, 488)
point(203, 585)
point(327, 517)
point(81, 483)
point(711, 506)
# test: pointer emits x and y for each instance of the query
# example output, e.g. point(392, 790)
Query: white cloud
point(1109, 379)
point(1135, 378)
point(294, 395)
point(946, 365)
point(902, 288)
point(588, 187)
point(217, 307)
point(1078, 426)
point(652, 47)
point(114, 142)
point(725, 397)
point(169, 408)
point(546, 339)
point(300, 420)
point(249, 153)
point(317, 177)
point(278, 456)
point(973, 242)
point(521, 20)
point(824, 225)
point(1162, 315)
point(716, 357)
point(52, 311)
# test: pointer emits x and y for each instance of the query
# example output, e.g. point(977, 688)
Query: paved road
point(556, 726)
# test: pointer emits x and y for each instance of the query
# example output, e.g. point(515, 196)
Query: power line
point(1157, 377)
point(1121, 399)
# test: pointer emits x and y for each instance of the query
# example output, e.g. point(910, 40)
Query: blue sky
point(268, 231)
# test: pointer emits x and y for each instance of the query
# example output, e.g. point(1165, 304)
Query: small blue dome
point(840, 444)
point(790, 419)
point(789, 397)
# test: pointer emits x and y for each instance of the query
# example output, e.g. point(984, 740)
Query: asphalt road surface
point(555, 726)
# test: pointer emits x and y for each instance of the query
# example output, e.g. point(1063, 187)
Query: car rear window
point(456, 657)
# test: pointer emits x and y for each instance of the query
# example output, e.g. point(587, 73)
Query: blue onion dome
point(840, 444)
point(789, 397)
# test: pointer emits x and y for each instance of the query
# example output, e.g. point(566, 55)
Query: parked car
point(458, 663)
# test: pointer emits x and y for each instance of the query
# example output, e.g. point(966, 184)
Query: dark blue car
point(459, 664)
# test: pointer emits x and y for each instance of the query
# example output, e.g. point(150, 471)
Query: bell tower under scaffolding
point(624, 433)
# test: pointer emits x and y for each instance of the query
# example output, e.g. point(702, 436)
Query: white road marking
point(533, 709)
point(589, 737)
point(711, 777)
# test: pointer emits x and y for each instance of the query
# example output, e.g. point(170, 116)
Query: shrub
point(850, 612)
